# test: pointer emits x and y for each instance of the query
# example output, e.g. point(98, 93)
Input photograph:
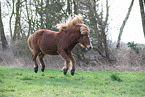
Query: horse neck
point(71, 35)
point(73, 40)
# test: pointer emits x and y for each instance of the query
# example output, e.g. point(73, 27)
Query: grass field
point(16, 82)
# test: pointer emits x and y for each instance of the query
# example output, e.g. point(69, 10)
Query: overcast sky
point(133, 29)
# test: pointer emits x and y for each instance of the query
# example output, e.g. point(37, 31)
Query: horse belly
point(49, 48)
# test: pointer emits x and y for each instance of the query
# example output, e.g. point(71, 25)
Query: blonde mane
point(76, 21)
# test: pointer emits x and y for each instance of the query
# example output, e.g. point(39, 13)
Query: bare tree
point(100, 28)
point(123, 24)
point(2, 34)
point(142, 11)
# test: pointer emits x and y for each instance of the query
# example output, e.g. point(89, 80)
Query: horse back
point(46, 41)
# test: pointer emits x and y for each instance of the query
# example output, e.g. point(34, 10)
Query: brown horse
point(44, 42)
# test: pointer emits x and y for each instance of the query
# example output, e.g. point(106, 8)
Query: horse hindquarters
point(34, 55)
point(40, 55)
point(33, 46)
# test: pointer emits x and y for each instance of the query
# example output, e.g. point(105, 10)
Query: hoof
point(43, 68)
point(35, 69)
point(72, 72)
point(65, 71)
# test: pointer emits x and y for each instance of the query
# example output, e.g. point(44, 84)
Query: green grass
point(16, 82)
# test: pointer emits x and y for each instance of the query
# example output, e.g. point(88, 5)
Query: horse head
point(85, 37)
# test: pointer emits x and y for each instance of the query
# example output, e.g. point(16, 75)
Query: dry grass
point(128, 60)
point(9, 59)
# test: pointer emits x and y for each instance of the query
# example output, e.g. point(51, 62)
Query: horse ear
point(62, 28)
point(77, 20)
point(84, 30)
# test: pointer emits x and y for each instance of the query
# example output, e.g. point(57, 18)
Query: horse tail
point(29, 43)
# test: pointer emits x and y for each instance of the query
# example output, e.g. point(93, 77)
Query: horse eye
point(86, 37)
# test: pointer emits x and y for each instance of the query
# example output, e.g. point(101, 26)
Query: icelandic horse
point(72, 32)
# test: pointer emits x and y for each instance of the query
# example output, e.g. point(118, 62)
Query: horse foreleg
point(34, 56)
point(67, 59)
point(73, 63)
point(41, 55)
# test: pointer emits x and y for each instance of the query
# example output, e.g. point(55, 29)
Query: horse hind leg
point(34, 56)
point(41, 55)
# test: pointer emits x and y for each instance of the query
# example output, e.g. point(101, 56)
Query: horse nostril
point(89, 47)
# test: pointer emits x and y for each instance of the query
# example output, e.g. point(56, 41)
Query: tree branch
point(123, 24)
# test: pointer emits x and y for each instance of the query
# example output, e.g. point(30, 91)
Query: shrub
point(133, 46)
point(115, 77)
point(20, 48)
point(25, 77)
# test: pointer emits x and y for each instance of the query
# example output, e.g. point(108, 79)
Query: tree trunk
point(10, 21)
point(17, 29)
point(48, 22)
point(41, 15)
point(123, 25)
point(69, 7)
point(29, 19)
point(75, 6)
point(142, 11)
point(36, 22)
point(104, 34)
point(2, 34)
